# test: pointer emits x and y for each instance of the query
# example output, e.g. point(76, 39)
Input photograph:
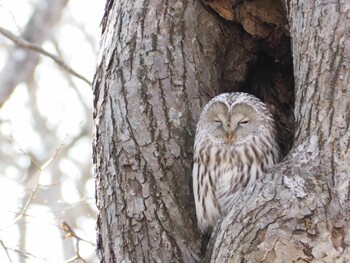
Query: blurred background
point(47, 206)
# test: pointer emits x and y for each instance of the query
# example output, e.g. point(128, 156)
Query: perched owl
point(235, 145)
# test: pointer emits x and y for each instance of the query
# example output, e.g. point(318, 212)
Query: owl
point(235, 144)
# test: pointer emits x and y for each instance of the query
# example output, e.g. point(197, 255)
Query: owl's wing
point(207, 207)
point(228, 187)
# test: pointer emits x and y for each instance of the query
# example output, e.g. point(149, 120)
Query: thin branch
point(70, 233)
point(32, 46)
point(6, 250)
point(12, 17)
point(40, 168)
point(26, 254)
point(26, 205)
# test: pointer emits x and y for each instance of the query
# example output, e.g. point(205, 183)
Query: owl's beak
point(230, 136)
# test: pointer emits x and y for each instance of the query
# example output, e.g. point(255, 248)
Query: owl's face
point(232, 124)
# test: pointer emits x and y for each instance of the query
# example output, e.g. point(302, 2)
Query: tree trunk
point(160, 62)
point(300, 211)
point(156, 72)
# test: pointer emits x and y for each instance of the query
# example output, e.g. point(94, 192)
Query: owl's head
point(235, 118)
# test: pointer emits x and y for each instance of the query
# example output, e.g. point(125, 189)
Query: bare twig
point(26, 254)
point(70, 233)
point(21, 42)
point(26, 205)
point(6, 251)
point(14, 20)
point(40, 168)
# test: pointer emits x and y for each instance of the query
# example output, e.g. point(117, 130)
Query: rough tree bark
point(160, 62)
point(154, 72)
point(300, 212)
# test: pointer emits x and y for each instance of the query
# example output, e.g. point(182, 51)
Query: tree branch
point(6, 250)
point(32, 46)
point(21, 63)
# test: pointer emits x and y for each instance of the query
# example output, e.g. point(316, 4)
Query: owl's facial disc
point(235, 125)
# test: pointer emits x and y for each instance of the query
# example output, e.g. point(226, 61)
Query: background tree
point(160, 62)
point(46, 182)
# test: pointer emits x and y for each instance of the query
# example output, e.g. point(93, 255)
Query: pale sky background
point(61, 106)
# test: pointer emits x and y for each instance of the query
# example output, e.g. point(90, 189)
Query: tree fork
point(159, 64)
point(300, 211)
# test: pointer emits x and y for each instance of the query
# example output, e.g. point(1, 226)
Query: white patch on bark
point(310, 148)
point(324, 248)
point(296, 184)
point(136, 207)
point(175, 116)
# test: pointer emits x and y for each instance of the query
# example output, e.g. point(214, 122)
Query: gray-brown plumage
point(235, 145)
